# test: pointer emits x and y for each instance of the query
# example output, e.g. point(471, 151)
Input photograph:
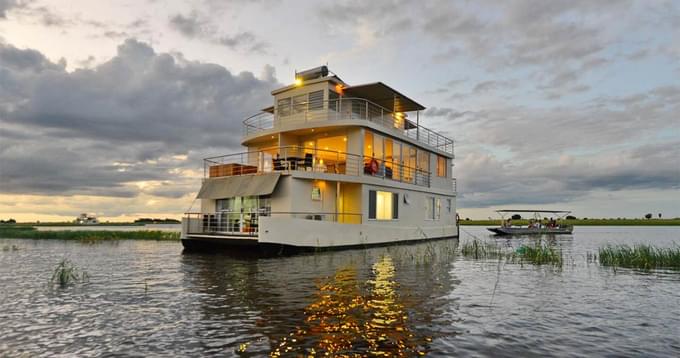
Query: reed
point(66, 274)
point(539, 253)
point(645, 257)
point(478, 249)
point(27, 232)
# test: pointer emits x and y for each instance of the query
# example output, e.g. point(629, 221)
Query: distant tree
point(585, 218)
point(517, 217)
point(648, 216)
point(659, 215)
point(467, 219)
point(571, 217)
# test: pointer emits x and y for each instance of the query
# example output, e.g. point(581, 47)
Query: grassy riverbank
point(27, 232)
point(586, 222)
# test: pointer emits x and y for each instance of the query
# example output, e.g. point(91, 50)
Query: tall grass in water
point(478, 249)
point(66, 274)
point(538, 253)
point(640, 256)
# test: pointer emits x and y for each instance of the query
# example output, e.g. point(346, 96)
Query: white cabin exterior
point(329, 165)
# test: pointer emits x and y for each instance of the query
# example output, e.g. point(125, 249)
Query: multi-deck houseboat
point(329, 165)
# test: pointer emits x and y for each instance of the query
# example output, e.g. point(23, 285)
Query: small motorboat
point(537, 225)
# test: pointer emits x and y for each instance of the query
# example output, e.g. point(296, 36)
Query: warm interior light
point(298, 81)
point(344, 139)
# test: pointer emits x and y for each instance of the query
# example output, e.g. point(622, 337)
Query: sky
point(109, 107)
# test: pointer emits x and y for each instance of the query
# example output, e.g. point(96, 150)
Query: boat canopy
point(239, 185)
point(383, 95)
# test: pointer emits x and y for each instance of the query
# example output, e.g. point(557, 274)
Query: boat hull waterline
point(530, 231)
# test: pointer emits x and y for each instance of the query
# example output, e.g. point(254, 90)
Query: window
point(283, 107)
point(316, 100)
point(358, 109)
point(383, 205)
point(441, 166)
point(299, 103)
point(433, 208)
point(423, 161)
point(448, 205)
point(368, 143)
point(333, 99)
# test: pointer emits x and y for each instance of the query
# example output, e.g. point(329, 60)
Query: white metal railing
point(297, 158)
point(246, 223)
point(348, 108)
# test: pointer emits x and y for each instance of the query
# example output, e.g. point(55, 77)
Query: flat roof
point(383, 95)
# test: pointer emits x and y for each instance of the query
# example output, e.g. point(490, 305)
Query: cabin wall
point(413, 211)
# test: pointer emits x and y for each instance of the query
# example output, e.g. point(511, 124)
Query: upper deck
point(327, 101)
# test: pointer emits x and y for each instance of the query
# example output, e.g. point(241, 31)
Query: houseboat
point(328, 165)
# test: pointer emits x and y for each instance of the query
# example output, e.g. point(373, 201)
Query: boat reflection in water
point(393, 301)
point(345, 321)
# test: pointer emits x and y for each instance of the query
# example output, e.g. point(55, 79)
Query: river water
point(147, 298)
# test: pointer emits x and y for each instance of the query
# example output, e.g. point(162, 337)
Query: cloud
point(189, 25)
point(7, 5)
point(68, 132)
point(195, 26)
point(515, 154)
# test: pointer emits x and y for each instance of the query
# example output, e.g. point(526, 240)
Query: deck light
point(298, 81)
point(338, 88)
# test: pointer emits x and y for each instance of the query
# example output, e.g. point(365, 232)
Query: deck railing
point(247, 223)
point(297, 158)
point(348, 108)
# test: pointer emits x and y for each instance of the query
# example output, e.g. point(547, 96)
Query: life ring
point(374, 166)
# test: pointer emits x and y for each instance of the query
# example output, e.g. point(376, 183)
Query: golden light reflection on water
point(344, 321)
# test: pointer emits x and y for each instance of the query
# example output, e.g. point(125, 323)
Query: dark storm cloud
point(64, 131)
point(563, 153)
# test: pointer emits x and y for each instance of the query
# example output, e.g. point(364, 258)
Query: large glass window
point(368, 143)
point(441, 166)
point(423, 160)
point(410, 163)
point(383, 205)
point(397, 167)
point(389, 159)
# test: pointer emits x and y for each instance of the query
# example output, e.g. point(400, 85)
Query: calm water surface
point(147, 298)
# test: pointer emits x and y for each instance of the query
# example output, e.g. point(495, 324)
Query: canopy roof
point(532, 211)
point(240, 185)
point(383, 95)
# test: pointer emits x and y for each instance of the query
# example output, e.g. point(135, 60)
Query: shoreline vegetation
point(583, 222)
point(29, 232)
